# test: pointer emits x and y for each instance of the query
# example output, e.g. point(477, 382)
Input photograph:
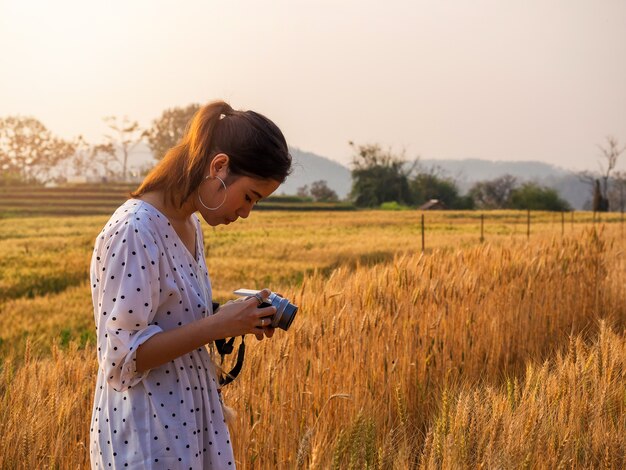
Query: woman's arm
point(232, 319)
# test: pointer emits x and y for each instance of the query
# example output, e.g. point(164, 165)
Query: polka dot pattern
point(145, 281)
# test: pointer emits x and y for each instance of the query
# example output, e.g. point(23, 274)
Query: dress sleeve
point(126, 297)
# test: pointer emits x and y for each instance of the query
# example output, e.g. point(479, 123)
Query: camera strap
point(224, 348)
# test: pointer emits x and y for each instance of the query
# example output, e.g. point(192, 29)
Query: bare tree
point(81, 161)
point(105, 155)
point(86, 160)
point(51, 156)
point(600, 182)
point(610, 154)
point(126, 136)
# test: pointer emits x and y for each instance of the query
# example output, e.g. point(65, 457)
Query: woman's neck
point(174, 213)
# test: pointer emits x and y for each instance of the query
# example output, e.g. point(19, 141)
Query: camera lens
point(285, 312)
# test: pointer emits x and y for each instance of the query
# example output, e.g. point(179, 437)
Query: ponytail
point(255, 146)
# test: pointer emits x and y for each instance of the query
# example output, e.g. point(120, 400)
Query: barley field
point(506, 353)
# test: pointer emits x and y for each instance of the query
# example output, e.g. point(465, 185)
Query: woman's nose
point(244, 212)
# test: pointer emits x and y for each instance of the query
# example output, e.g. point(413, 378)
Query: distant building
point(432, 205)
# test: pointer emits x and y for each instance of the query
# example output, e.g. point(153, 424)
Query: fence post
point(422, 233)
point(482, 228)
point(528, 225)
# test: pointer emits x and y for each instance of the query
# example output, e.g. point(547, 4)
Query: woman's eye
point(248, 199)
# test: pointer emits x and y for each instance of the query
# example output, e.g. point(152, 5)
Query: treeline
point(30, 153)
point(382, 178)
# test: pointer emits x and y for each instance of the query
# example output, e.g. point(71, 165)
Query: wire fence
point(523, 221)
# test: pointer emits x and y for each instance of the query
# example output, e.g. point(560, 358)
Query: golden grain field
point(505, 354)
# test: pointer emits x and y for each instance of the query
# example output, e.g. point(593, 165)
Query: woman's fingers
point(265, 312)
point(260, 297)
point(268, 332)
point(258, 318)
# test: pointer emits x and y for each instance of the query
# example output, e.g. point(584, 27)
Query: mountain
point(309, 167)
point(474, 169)
point(469, 171)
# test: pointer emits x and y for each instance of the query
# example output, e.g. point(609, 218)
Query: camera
point(285, 310)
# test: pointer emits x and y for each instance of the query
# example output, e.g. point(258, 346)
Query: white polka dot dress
point(144, 281)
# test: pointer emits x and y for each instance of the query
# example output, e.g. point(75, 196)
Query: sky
point(510, 80)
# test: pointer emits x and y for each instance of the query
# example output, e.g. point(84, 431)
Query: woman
point(157, 401)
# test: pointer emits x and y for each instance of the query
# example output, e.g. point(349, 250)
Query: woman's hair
point(255, 146)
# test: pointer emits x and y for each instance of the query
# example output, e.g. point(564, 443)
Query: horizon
point(134, 157)
point(471, 80)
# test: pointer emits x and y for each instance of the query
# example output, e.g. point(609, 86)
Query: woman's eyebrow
point(257, 194)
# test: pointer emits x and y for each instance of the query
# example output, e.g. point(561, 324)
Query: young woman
point(157, 402)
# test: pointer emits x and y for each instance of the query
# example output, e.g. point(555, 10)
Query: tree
point(601, 185)
point(379, 176)
point(105, 155)
point(428, 185)
point(535, 197)
point(617, 193)
point(29, 151)
point(599, 202)
point(303, 191)
point(82, 162)
point(494, 194)
point(127, 135)
point(611, 153)
point(167, 130)
point(95, 160)
point(322, 193)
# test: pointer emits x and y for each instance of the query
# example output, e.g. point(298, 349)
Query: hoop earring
point(225, 195)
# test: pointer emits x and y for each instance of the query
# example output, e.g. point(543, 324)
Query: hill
point(309, 167)
point(469, 171)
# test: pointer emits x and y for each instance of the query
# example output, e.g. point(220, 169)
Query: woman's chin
point(213, 222)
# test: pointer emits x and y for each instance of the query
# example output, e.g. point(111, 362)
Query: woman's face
point(240, 196)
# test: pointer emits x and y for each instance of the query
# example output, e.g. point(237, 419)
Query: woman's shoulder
point(134, 214)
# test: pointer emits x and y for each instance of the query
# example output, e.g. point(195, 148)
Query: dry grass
point(45, 409)
point(569, 412)
point(385, 341)
point(395, 361)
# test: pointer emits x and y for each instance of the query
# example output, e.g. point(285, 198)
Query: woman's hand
point(244, 316)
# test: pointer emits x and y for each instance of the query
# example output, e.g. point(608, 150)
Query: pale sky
point(500, 80)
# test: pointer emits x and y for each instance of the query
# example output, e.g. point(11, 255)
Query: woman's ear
point(219, 165)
